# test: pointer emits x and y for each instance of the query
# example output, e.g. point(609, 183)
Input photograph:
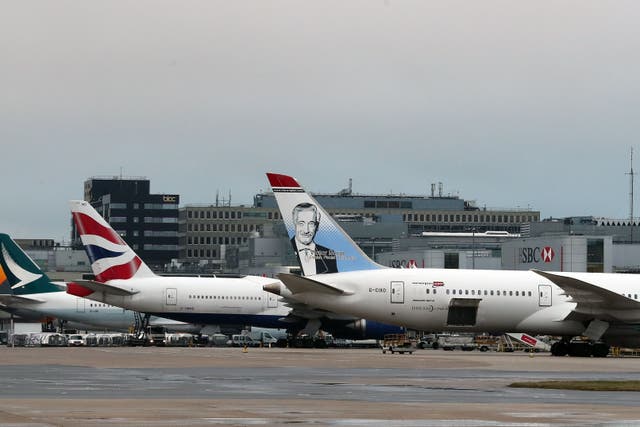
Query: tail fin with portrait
point(314, 233)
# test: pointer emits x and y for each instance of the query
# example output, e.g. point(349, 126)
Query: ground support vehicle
point(240, 340)
point(397, 343)
point(452, 342)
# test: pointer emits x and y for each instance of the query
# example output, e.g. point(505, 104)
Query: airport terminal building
point(147, 222)
point(249, 238)
point(433, 231)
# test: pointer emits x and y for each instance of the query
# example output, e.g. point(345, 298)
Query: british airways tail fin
point(320, 244)
point(19, 274)
point(111, 258)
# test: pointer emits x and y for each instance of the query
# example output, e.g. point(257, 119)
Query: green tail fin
point(19, 275)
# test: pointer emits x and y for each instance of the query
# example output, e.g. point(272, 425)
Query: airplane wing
point(590, 298)
point(82, 288)
point(298, 284)
point(301, 311)
point(304, 311)
point(8, 300)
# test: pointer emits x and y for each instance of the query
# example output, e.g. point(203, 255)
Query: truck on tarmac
point(397, 343)
point(156, 335)
point(452, 342)
point(264, 338)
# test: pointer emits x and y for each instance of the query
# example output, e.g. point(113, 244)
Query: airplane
point(602, 307)
point(124, 280)
point(26, 291)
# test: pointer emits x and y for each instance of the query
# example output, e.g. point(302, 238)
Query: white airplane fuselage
point(202, 300)
point(467, 300)
point(82, 313)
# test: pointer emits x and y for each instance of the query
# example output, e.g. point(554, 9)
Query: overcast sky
point(511, 104)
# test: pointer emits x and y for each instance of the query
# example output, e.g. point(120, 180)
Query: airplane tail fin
point(19, 274)
point(111, 258)
point(321, 245)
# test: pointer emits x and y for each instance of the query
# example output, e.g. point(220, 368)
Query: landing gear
point(600, 349)
point(579, 348)
point(560, 348)
point(140, 328)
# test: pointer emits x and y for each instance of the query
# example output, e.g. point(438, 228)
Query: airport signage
point(169, 199)
point(537, 255)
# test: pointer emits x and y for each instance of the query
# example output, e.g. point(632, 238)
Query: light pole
point(373, 248)
point(473, 248)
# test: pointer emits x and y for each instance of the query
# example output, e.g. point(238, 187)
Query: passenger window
point(517, 293)
point(434, 291)
point(491, 293)
point(447, 291)
point(510, 293)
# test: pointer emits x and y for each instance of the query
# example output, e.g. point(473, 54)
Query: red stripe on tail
point(277, 180)
point(88, 225)
point(78, 290)
point(123, 271)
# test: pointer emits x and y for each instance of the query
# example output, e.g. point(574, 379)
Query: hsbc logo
point(547, 254)
point(536, 255)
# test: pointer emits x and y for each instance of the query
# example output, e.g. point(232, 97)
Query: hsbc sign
point(547, 254)
point(536, 255)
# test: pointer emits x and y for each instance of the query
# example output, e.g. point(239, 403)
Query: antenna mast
point(631, 192)
point(631, 174)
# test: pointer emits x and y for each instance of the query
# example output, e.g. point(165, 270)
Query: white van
point(239, 340)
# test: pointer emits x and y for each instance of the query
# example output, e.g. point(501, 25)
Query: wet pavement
point(313, 387)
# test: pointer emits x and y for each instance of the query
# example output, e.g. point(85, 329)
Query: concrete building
point(470, 250)
point(147, 222)
point(592, 254)
point(621, 255)
point(221, 238)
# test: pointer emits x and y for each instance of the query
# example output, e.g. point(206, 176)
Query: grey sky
point(507, 103)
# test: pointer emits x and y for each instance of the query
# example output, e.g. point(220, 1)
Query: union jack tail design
point(111, 258)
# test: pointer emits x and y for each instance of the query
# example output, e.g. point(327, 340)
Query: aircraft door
point(80, 304)
point(544, 293)
point(171, 296)
point(397, 292)
point(272, 300)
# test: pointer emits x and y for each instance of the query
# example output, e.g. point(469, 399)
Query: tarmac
point(136, 386)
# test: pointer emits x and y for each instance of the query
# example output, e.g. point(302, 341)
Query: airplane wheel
point(559, 348)
point(580, 349)
point(600, 350)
